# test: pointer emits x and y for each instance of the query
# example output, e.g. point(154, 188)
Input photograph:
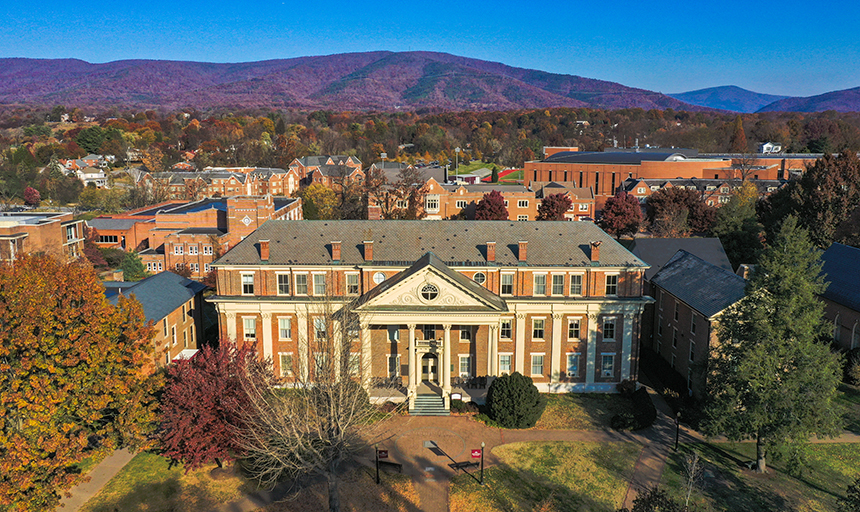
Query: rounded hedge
point(514, 401)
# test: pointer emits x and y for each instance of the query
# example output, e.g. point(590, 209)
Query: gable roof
point(657, 251)
point(704, 287)
point(159, 295)
point(401, 243)
point(431, 260)
point(842, 269)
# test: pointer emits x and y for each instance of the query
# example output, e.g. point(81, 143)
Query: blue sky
point(790, 47)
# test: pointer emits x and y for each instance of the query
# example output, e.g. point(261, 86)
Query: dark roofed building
point(441, 302)
point(841, 268)
point(657, 251)
point(690, 294)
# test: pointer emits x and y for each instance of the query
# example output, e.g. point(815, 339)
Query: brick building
point(713, 192)
point(54, 233)
point(691, 294)
point(842, 297)
point(441, 301)
point(174, 305)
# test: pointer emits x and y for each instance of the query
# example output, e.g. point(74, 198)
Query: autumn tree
point(622, 215)
point(772, 376)
point(71, 374)
point(737, 227)
point(553, 207)
point(318, 202)
point(672, 211)
point(183, 269)
point(491, 207)
point(201, 406)
point(738, 139)
point(32, 197)
point(91, 250)
point(409, 187)
point(153, 159)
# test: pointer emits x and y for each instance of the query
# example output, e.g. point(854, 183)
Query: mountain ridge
point(728, 97)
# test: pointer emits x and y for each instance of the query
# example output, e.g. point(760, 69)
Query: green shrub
point(642, 412)
point(514, 401)
point(852, 367)
point(458, 405)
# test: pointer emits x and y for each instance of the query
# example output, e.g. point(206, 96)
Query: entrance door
point(429, 368)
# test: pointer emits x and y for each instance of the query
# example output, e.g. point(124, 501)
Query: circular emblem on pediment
point(428, 292)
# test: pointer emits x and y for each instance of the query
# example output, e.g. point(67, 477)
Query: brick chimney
point(368, 250)
point(264, 250)
point(595, 253)
point(522, 251)
point(491, 252)
point(335, 251)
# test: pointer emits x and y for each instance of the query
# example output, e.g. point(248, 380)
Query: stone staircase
point(429, 405)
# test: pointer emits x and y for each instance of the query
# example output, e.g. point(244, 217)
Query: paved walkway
point(98, 477)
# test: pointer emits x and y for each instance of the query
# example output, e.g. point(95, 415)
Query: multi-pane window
point(431, 203)
point(693, 323)
point(249, 325)
point(108, 239)
point(195, 268)
point(607, 366)
point(248, 284)
point(506, 329)
point(465, 366)
point(393, 365)
point(352, 284)
point(576, 284)
point(192, 249)
point(207, 268)
point(429, 332)
point(460, 204)
point(505, 363)
point(400, 204)
point(540, 284)
point(321, 363)
point(177, 250)
point(207, 250)
point(558, 285)
point(283, 284)
point(692, 350)
point(612, 284)
point(609, 329)
point(583, 207)
point(319, 328)
point(660, 326)
point(319, 285)
point(507, 284)
point(674, 338)
point(676, 310)
point(572, 365)
point(537, 328)
point(522, 203)
point(301, 284)
point(537, 364)
point(286, 364)
point(573, 329)
point(465, 333)
point(285, 331)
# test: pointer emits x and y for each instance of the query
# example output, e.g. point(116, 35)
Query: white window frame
point(396, 372)
point(523, 203)
point(510, 357)
point(693, 323)
point(468, 360)
point(319, 326)
point(542, 357)
point(535, 277)
point(281, 356)
point(347, 284)
point(510, 329)
point(244, 284)
point(467, 330)
point(573, 292)
point(603, 372)
point(285, 276)
point(542, 321)
point(577, 357)
point(461, 203)
point(322, 277)
point(177, 250)
point(606, 285)
point(553, 278)
point(207, 250)
point(249, 333)
point(502, 283)
point(522, 218)
point(288, 328)
point(296, 283)
point(612, 321)
point(583, 207)
point(578, 328)
point(192, 250)
point(207, 268)
point(431, 203)
point(692, 350)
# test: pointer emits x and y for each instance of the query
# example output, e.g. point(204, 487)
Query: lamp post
point(456, 161)
point(677, 428)
point(383, 156)
point(376, 451)
point(482, 462)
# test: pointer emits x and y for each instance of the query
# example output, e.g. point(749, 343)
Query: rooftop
point(657, 251)
point(159, 294)
point(841, 269)
point(704, 287)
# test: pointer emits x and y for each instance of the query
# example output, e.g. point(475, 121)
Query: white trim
point(542, 355)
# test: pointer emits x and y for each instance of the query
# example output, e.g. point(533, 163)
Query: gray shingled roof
point(431, 260)
point(402, 243)
point(842, 269)
point(705, 287)
point(657, 251)
point(159, 294)
point(109, 224)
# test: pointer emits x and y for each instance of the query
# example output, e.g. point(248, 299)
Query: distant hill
point(384, 81)
point(728, 97)
point(847, 100)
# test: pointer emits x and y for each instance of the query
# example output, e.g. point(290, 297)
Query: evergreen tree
point(514, 401)
point(772, 377)
point(132, 267)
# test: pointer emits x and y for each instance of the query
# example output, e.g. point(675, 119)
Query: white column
point(302, 319)
point(626, 345)
point(413, 369)
point(268, 345)
point(555, 350)
point(446, 366)
point(492, 348)
point(520, 345)
point(591, 350)
point(231, 326)
point(366, 363)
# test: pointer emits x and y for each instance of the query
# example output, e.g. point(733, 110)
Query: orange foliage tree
point(72, 378)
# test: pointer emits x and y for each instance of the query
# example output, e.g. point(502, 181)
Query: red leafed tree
point(91, 251)
point(201, 404)
point(553, 206)
point(622, 215)
point(32, 196)
point(491, 207)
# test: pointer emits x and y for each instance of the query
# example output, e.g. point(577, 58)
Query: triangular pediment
point(430, 285)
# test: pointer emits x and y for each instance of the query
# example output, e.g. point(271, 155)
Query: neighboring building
point(174, 305)
point(770, 147)
point(691, 294)
point(321, 168)
point(93, 175)
point(191, 233)
point(713, 192)
point(220, 182)
point(657, 251)
point(54, 233)
point(581, 199)
point(842, 297)
point(437, 301)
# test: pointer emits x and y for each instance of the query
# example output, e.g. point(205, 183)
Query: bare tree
point(320, 420)
point(693, 472)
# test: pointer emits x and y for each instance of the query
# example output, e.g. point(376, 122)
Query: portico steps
point(429, 405)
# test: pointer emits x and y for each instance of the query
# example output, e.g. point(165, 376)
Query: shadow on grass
point(162, 495)
point(850, 398)
point(584, 411)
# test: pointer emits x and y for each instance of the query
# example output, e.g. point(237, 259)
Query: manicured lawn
point(729, 486)
point(567, 476)
point(358, 492)
point(581, 411)
point(516, 175)
point(849, 396)
point(472, 166)
point(146, 484)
